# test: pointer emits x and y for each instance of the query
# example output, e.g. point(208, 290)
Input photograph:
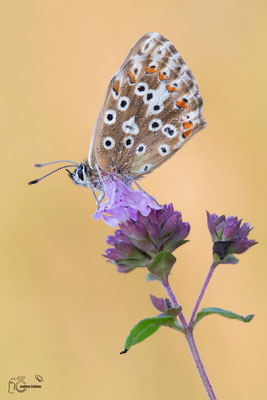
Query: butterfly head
point(82, 175)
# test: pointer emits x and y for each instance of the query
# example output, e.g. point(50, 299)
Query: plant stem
point(201, 294)
point(175, 303)
point(190, 338)
point(200, 367)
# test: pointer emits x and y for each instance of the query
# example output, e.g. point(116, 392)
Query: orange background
point(65, 312)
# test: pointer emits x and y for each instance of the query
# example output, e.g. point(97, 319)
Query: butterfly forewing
point(151, 108)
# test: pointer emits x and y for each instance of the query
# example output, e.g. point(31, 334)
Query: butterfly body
point(152, 107)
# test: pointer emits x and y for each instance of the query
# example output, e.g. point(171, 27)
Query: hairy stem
point(200, 367)
point(190, 338)
point(201, 294)
point(175, 303)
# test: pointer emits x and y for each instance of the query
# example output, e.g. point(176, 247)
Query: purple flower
point(229, 237)
point(139, 240)
point(123, 203)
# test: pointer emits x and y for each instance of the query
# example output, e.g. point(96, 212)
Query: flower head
point(123, 203)
point(139, 240)
point(229, 237)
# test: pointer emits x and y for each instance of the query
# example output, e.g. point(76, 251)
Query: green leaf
point(151, 277)
point(161, 265)
point(219, 311)
point(173, 244)
point(132, 262)
point(145, 328)
point(173, 311)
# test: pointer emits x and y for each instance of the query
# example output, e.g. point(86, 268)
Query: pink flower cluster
point(123, 203)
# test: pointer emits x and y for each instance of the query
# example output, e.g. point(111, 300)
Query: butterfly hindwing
point(152, 107)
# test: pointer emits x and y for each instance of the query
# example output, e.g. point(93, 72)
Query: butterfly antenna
point(50, 173)
point(54, 162)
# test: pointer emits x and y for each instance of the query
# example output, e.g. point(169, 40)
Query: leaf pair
point(146, 327)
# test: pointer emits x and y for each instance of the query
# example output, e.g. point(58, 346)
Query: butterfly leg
point(99, 198)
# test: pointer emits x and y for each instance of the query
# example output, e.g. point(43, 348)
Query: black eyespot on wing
point(169, 131)
point(141, 88)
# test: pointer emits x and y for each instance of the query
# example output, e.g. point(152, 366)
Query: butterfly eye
point(80, 174)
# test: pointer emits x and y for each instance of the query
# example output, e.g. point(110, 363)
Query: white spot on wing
point(153, 64)
point(149, 97)
point(156, 99)
point(155, 124)
point(156, 108)
point(128, 142)
point(169, 130)
point(108, 143)
point(141, 89)
point(145, 168)
point(130, 126)
point(136, 69)
point(180, 140)
point(123, 103)
point(141, 149)
point(110, 117)
point(164, 149)
point(147, 46)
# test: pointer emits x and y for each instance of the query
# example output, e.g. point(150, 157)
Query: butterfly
point(152, 107)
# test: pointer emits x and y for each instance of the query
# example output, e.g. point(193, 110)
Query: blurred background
point(65, 312)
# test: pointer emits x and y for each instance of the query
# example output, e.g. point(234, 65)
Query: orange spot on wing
point(187, 133)
point(188, 125)
point(162, 77)
point(150, 70)
point(132, 77)
point(181, 104)
point(116, 89)
point(171, 88)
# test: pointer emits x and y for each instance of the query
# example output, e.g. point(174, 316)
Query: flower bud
point(139, 241)
point(229, 238)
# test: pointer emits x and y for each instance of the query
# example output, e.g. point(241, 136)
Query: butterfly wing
point(152, 107)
